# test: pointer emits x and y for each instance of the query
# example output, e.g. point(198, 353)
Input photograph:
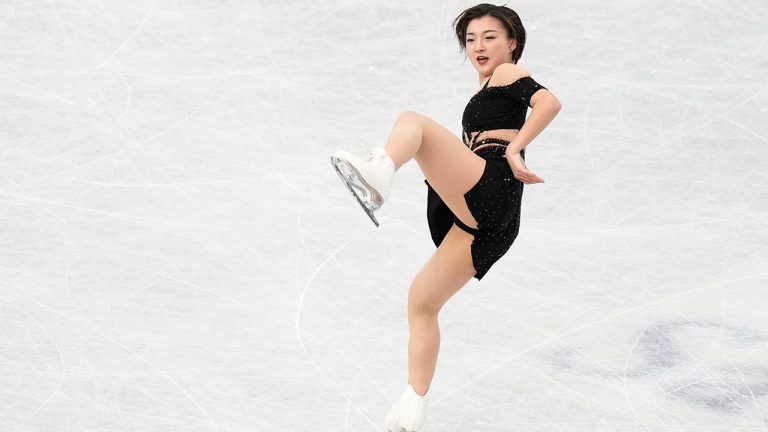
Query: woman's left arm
point(544, 108)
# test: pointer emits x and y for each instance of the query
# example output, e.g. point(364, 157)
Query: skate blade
point(367, 193)
point(348, 174)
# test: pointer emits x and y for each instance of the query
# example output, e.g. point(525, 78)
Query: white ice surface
point(178, 255)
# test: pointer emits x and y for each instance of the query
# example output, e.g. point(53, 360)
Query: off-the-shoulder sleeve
point(521, 90)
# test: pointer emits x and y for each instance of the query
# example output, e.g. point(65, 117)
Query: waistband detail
point(496, 150)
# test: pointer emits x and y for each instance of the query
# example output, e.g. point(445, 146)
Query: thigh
point(449, 166)
point(445, 273)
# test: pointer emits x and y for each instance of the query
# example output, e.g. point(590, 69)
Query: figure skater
point(474, 186)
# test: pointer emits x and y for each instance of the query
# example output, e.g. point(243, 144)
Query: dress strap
point(465, 227)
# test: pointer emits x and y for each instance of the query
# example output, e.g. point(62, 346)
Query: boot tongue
point(379, 152)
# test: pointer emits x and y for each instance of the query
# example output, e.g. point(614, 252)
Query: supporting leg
point(444, 274)
point(423, 346)
point(446, 271)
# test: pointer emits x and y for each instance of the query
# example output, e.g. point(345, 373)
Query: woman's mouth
point(482, 60)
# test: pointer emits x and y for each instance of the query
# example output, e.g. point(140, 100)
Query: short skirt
point(495, 203)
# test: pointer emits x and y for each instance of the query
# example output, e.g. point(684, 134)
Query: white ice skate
point(409, 413)
point(368, 179)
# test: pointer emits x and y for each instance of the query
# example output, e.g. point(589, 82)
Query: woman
point(474, 187)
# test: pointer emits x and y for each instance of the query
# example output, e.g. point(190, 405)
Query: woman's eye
point(491, 38)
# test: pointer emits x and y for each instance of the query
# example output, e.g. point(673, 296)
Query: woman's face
point(486, 37)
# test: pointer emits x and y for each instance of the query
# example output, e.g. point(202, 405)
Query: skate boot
point(409, 413)
point(369, 179)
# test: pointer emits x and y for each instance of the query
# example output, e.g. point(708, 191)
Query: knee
point(409, 117)
point(420, 303)
point(422, 309)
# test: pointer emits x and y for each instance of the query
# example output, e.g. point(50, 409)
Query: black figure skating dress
point(495, 200)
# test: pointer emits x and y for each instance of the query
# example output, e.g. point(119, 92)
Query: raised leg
point(449, 166)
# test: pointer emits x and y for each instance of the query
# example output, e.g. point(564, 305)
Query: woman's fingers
point(535, 178)
point(521, 171)
point(528, 177)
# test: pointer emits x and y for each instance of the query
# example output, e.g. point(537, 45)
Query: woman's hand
point(521, 171)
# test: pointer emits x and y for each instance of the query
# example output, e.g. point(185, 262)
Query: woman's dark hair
point(508, 18)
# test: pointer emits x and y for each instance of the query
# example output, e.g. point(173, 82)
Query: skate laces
point(378, 153)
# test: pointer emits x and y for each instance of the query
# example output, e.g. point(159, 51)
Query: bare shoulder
point(507, 73)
